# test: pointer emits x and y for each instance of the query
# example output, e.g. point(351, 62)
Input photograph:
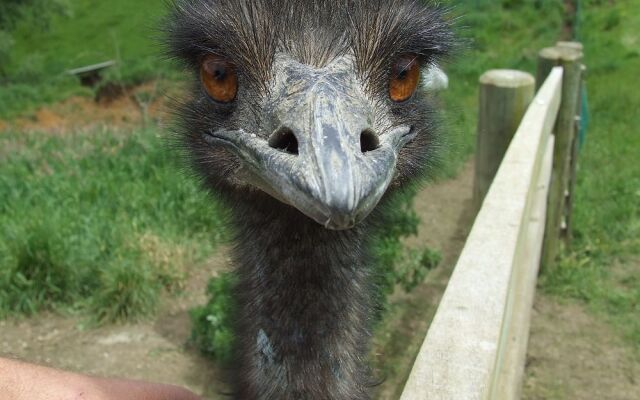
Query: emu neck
point(304, 309)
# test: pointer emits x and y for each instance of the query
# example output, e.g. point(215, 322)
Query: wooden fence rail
point(476, 345)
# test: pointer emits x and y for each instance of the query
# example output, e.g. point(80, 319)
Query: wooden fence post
point(568, 232)
point(547, 59)
point(569, 56)
point(504, 98)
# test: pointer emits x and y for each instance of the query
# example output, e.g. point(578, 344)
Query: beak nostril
point(285, 140)
point(368, 141)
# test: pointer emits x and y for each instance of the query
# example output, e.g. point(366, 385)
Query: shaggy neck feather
point(305, 306)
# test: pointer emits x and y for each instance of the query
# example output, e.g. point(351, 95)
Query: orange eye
point(405, 76)
point(219, 78)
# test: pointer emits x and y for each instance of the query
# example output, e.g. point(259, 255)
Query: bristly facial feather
point(250, 33)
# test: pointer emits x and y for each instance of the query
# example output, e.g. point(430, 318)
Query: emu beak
point(331, 180)
point(324, 159)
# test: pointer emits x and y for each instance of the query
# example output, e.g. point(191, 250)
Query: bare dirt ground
point(116, 108)
point(572, 354)
point(154, 350)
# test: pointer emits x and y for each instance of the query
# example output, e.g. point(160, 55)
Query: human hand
point(21, 381)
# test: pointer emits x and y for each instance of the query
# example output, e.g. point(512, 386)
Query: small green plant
point(126, 291)
point(612, 20)
point(212, 323)
point(399, 220)
point(39, 275)
point(6, 43)
point(413, 268)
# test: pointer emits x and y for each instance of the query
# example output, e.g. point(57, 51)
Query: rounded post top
point(507, 78)
point(564, 51)
point(571, 45)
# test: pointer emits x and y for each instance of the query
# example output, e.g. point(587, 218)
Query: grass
point(482, 26)
point(84, 32)
point(212, 323)
point(103, 222)
point(602, 268)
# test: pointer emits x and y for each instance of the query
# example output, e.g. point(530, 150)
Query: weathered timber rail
point(476, 345)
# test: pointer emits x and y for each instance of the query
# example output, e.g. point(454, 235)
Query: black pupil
point(402, 70)
point(219, 72)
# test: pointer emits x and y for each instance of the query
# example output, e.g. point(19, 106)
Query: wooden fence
point(476, 345)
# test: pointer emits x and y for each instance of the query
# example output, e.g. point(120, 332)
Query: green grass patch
point(78, 33)
point(100, 221)
point(602, 268)
point(212, 324)
point(495, 34)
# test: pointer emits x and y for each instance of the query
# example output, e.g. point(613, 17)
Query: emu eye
point(219, 78)
point(405, 75)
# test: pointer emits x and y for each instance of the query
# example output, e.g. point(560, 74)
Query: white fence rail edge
point(476, 345)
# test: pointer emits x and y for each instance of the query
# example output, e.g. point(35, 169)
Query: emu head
point(316, 103)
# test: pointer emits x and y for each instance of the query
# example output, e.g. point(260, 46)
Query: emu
point(304, 117)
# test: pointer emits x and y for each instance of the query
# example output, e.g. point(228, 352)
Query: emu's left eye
point(219, 78)
point(405, 75)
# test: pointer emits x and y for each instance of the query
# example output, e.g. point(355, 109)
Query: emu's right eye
point(219, 78)
point(405, 76)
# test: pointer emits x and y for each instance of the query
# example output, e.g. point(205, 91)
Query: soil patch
point(573, 355)
point(116, 108)
point(154, 350)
